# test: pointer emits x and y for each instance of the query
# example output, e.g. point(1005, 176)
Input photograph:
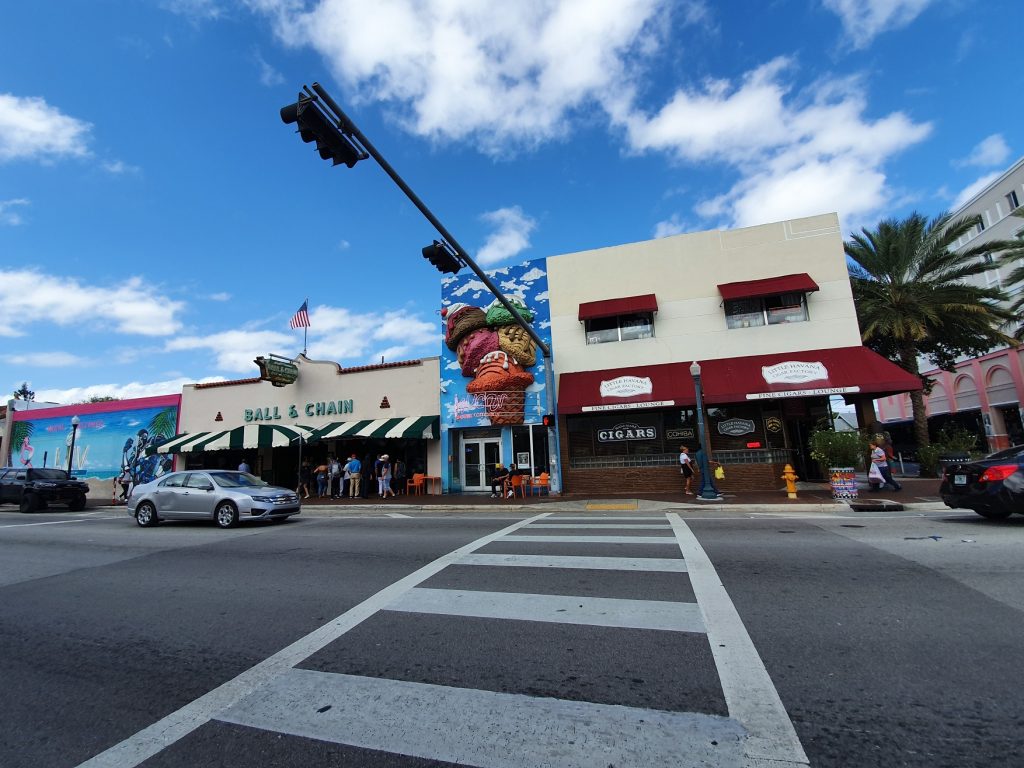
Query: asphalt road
point(737, 639)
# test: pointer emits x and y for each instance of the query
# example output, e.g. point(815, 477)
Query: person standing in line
point(304, 478)
point(244, 466)
point(320, 473)
point(881, 463)
point(354, 469)
point(385, 477)
point(398, 476)
point(367, 474)
point(334, 474)
point(686, 469)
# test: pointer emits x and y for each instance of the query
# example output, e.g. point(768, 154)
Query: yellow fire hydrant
point(790, 477)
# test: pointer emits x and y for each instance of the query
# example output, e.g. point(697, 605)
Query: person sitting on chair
point(498, 480)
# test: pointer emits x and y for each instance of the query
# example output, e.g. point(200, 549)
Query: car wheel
point(226, 515)
point(994, 514)
point(77, 504)
point(29, 503)
point(145, 515)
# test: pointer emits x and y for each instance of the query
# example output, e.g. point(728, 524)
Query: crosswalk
point(495, 729)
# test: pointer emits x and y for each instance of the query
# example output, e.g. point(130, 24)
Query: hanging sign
point(735, 427)
point(278, 372)
point(793, 372)
point(626, 386)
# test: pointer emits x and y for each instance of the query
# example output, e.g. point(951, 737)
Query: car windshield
point(236, 480)
point(48, 474)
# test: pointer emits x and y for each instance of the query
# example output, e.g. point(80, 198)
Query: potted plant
point(839, 454)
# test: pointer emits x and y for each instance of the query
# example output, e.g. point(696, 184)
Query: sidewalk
point(811, 497)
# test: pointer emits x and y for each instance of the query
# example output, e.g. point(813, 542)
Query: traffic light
point(548, 420)
point(440, 255)
point(315, 125)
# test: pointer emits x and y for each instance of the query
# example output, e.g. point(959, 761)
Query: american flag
point(301, 318)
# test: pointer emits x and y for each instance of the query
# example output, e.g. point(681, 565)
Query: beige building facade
point(768, 314)
point(326, 411)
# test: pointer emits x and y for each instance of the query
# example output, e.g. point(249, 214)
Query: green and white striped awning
point(422, 427)
point(249, 436)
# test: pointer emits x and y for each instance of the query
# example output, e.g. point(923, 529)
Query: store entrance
point(799, 430)
point(479, 455)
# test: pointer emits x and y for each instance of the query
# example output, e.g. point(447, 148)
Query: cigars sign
point(626, 431)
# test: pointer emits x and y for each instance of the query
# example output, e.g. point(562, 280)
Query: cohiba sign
point(793, 372)
point(279, 372)
point(323, 408)
point(626, 431)
point(626, 386)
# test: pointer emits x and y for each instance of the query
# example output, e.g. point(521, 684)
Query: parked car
point(219, 495)
point(993, 486)
point(34, 488)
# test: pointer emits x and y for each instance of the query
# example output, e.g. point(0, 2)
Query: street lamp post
point(74, 431)
point(707, 490)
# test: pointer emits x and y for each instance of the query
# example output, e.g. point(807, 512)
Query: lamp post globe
point(75, 421)
point(707, 490)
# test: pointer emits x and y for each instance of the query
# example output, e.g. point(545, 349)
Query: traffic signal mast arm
point(351, 130)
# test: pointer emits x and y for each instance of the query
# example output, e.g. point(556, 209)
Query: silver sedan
point(219, 495)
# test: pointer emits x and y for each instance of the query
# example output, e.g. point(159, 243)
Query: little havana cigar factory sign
point(626, 431)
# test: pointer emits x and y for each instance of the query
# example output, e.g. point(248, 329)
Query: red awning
point(819, 372)
point(591, 310)
point(772, 286)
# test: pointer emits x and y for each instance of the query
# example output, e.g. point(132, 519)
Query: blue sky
point(159, 224)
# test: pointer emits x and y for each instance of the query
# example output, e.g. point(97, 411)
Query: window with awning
point(622, 319)
point(771, 301)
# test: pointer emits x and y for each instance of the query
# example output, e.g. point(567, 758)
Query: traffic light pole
point(351, 128)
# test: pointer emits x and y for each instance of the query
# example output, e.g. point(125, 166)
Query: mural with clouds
point(492, 373)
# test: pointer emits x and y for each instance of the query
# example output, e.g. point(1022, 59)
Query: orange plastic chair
point(543, 481)
point(516, 484)
point(416, 485)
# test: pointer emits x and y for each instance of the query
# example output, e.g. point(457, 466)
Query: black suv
point(33, 489)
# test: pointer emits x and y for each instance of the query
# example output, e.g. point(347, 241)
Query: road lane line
point(581, 526)
point(749, 692)
point(677, 565)
point(60, 522)
point(466, 726)
point(175, 726)
point(597, 539)
point(557, 609)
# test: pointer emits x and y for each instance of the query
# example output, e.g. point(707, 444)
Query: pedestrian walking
point(880, 473)
point(686, 469)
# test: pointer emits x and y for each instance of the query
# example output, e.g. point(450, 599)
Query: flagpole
point(305, 329)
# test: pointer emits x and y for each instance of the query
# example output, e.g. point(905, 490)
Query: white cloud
point(8, 215)
point(974, 188)
point(30, 129)
point(507, 75)
point(335, 333)
point(269, 76)
point(119, 167)
point(863, 20)
point(29, 297)
point(222, 296)
point(235, 350)
point(195, 10)
point(123, 391)
point(512, 235)
point(670, 226)
point(796, 154)
point(990, 151)
point(46, 359)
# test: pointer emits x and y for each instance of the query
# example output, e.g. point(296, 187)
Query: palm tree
point(914, 300)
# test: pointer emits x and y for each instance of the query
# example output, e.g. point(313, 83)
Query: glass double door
point(479, 457)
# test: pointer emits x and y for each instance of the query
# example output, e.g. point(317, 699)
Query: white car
point(220, 495)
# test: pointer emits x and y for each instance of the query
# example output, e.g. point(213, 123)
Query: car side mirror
point(206, 487)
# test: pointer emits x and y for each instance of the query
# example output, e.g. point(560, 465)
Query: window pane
point(786, 308)
point(638, 326)
point(602, 329)
point(744, 313)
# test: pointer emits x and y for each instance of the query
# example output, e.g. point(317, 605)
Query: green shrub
point(837, 449)
point(928, 460)
point(954, 439)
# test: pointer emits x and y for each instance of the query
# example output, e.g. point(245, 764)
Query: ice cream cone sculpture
point(501, 381)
